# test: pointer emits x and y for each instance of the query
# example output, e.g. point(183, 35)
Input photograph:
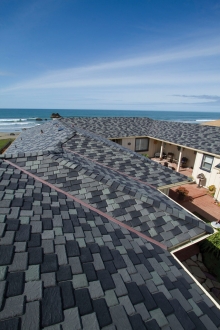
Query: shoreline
point(7, 135)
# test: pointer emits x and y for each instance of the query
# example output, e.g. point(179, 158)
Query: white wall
point(212, 178)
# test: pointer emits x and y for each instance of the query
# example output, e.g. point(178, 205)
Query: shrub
point(182, 191)
point(212, 245)
point(212, 188)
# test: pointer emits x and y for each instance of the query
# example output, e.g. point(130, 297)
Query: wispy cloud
point(155, 58)
point(182, 78)
point(139, 70)
point(212, 98)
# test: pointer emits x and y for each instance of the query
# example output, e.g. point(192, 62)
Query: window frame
point(144, 138)
point(202, 167)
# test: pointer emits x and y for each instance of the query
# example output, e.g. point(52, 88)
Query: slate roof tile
point(181, 315)
point(50, 263)
point(14, 306)
point(30, 320)
point(13, 323)
point(83, 301)
point(198, 324)
point(67, 294)
point(51, 308)
point(15, 283)
point(64, 273)
point(6, 254)
point(105, 280)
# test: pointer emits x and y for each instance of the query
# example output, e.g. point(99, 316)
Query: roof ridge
point(177, 212)
point(88, 206)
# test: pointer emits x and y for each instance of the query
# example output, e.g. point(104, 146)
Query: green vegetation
point(4, 143)
point(212, 245)
point(210, 249)
point(145, 155)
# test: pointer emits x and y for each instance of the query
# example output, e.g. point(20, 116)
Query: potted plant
point(212, 190)
point(182, 192)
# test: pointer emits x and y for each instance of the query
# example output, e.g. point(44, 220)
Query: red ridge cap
point(121, 224)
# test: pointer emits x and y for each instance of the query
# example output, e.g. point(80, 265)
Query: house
point(200, 144)
point(87, 237)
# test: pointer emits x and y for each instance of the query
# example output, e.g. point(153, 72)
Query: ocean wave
point(16, 123)
point(15, 120)
point(16, 128)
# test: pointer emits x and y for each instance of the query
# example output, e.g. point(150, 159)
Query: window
point(141, 144)
point(118, 141)
point(207, 163)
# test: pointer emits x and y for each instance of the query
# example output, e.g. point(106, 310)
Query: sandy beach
point(6, 135)
point(212, 123)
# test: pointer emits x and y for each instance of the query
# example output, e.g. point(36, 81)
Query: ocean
point(14, 120)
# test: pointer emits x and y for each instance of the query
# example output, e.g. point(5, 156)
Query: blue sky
point(115, 54)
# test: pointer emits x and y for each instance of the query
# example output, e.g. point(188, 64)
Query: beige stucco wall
point(212, 178)
point(129, 143)
point(191, 155)
point(126, 141)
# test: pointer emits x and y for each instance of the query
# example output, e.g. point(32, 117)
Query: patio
point(186, 171)
point(198, 202)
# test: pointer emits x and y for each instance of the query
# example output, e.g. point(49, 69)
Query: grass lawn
point(4, 142)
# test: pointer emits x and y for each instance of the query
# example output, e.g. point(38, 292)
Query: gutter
point(174, 185)
point(165, 141)
point(194, 279)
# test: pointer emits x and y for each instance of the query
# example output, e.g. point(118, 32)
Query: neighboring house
point(87, 238)
point(200, 144)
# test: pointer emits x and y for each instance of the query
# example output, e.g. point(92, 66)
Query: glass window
point(141, 144)
point(207, 162)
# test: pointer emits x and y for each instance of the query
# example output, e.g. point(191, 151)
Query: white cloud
point(149, 69)
point(162, 78)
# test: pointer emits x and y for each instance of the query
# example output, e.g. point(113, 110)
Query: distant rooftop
point(199, 137)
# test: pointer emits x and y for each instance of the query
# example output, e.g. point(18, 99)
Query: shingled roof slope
point(138, 205)
point(40, 138)
point(123, 160)
point(94, 147)
point(200, 137)
point(83, 246)
point(64, 266)
point(120, 196)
